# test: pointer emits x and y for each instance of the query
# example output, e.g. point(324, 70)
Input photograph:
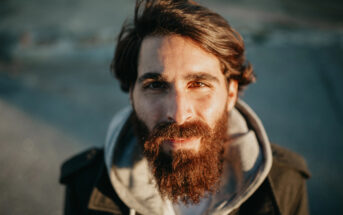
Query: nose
point(179, 108)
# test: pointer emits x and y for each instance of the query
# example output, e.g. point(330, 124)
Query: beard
point(184, 175)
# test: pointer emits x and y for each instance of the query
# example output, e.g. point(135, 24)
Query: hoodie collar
point(249, 151)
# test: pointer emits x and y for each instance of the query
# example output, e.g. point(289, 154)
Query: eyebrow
point(201, 76)
point(196, 76)
point(151, 75)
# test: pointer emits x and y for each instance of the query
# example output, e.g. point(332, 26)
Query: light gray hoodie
point(131, 178)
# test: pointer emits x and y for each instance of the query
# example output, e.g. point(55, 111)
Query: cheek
point(210, 107)
point(148, 110)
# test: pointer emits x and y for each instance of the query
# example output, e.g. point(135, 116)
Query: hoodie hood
point(247, 162)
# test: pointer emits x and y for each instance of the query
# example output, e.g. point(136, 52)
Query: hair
point(185, 18)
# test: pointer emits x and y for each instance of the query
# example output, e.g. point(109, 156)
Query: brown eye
point(155, 85)
point(196, 84)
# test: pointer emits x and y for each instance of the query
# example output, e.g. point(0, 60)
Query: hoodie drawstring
point(132, 211)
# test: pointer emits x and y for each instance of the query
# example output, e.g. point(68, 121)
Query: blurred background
point(57, 95)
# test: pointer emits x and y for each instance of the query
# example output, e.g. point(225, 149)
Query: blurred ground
point(57, 95)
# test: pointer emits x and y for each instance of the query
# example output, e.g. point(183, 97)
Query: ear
point(232, 94)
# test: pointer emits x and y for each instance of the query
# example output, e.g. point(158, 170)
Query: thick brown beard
point(185, 175)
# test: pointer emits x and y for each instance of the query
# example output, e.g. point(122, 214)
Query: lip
point(181, 143)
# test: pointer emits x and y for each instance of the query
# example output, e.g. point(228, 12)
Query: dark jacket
point(89, 190)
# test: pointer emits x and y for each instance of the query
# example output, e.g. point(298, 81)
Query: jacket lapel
point(104, 198)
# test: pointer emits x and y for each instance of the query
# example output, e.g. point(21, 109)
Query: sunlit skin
point(180, 82)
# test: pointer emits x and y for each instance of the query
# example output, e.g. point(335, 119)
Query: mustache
point(186, 130)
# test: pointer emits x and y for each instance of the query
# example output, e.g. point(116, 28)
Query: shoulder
point(287, 178)
point(286, 159)
point(80, 174)
point(80, 163)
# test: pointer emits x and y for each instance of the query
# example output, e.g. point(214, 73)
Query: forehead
point(175, 55)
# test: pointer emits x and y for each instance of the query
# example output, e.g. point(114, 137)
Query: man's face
point(181, 102)
point(179, 82)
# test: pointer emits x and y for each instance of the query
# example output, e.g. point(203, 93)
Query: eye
point(196, 84)
point(155, 85)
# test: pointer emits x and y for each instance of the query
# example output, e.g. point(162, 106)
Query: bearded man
point(187, 144)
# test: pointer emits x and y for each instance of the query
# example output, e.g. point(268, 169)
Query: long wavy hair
point(184, 18)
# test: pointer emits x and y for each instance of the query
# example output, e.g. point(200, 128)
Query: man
point(187, 144)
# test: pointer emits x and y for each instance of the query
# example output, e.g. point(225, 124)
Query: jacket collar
point(103, 197)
